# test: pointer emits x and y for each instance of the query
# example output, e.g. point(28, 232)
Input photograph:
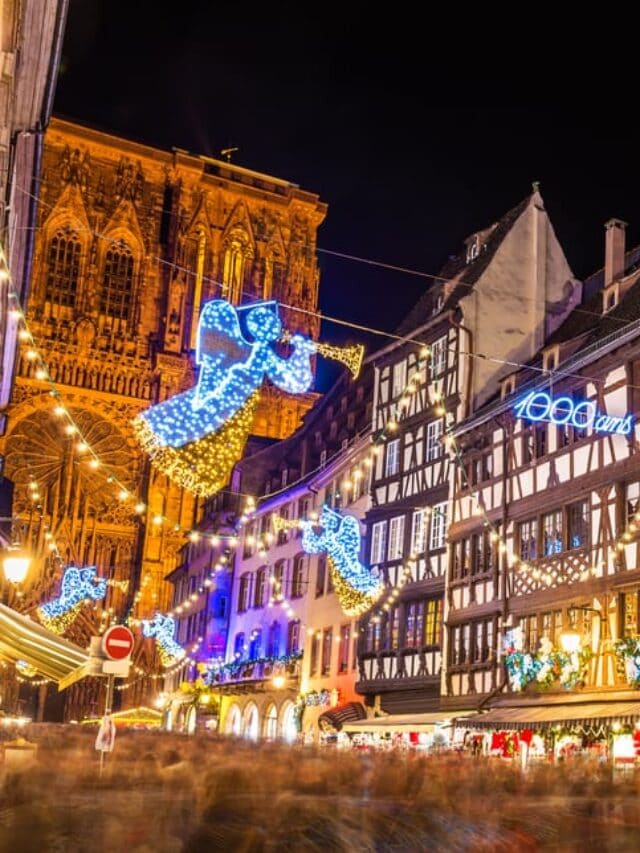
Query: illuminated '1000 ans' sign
point(541, 406)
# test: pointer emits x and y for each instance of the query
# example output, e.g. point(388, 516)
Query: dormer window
point(550, 358)
point(507, 386)
point(473, 248)
point(610, 297)
point(438, 302)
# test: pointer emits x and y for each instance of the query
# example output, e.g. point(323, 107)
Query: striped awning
point(23, 639)
point(547, 716)
point(341, 714)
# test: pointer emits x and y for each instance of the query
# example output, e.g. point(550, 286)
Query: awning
point(404, 722)
point(23, 639)
point(141, 716)
point(338, 716)
point(546, 716)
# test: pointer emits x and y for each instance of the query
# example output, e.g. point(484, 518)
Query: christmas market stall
point(604, 725)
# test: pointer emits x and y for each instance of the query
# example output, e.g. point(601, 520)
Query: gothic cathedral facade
point(130, 242)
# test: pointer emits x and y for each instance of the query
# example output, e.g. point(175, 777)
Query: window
point(314, 654)
point(392, 461)
point(433, 623)
point(323, 458)
point(233, 268)
point(273, 649)
point(434, 439)
point(399, 383)
point(534, 442)
point(552, 529)
point(343, 653)
point(418, 528)
point(329, 582)
point(389, 630)
point(261, 586)
point(461, 559)
point(243, 593)
point(293, 637)
point(528, 539)
point(220, 607)
point(327, 640)
point(321, 576)
point(396, 538)
point(344, 444)
point(284, 477)
point(414, 624)
point(438, 526)
point(486, 466)
point(473, 249)
point(372, 638)
point(482, 553)
point(438, 361)
point(378, 542)
point(632, 501)
point(278, 580)
point(297, 578)
point(238, 645)
point(116, 295)
point(282, 535)
point(63, 270)
point(255, 646)
point(578, 523)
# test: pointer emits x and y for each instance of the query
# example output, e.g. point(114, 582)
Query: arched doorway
point(233, 723)
point(190, 722)
point(288, 723)
point(251, 722)
point(271, 723)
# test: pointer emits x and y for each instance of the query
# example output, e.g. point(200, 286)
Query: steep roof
point(461, 275)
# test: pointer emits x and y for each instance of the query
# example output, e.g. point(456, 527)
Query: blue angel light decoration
point(197, 436)
point(163, 628)
point(76, 586)
point(339, 537)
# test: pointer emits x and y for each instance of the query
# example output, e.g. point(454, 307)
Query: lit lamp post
point(16, 564)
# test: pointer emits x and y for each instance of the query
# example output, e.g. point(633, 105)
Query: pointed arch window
point(116, 296)
point(63, 269)
point(233, 273)
point(274, 275)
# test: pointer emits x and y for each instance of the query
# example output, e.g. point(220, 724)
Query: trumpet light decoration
point(163, 629)
point(338, 536)
point(196, 437)
point(77, 585)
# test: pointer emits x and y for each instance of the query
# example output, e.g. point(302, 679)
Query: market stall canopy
point(619, 707)
point(23, 639)
point(404, 722)
point(141, 716)
point(341, 714)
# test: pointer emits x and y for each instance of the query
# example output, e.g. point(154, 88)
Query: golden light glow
point(349, 356)
point(204, 466)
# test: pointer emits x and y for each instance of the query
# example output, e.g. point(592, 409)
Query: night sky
point(408, 162)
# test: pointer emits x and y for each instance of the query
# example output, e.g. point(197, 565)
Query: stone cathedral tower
point(131, 241)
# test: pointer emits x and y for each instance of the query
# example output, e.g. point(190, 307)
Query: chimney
point(614, 250)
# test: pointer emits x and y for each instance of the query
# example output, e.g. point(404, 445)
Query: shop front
point(599, 725)
point(427, 732)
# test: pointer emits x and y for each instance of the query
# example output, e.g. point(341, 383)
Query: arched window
point(279, 580)
point(63, 270)
point(243, 592)
point(271, 723)
point(273, 648)
point(233, 271)
point(274, 276)
point(116, 296)
point(261, 587)
point(297, 577)
point(255, 647)
point(238, 646)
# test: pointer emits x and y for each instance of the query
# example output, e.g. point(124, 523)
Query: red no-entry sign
point(117, 642)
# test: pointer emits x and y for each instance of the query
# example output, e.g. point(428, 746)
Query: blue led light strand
point(77, 585)
point(339, 537)
point(163, 629)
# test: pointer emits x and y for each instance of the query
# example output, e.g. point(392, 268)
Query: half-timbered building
point(543, 539)
point(491, 306)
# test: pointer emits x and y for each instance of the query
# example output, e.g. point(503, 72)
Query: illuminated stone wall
point(131, 240)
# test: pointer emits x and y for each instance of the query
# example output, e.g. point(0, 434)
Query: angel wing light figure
point(339, 537)
point(196, 437)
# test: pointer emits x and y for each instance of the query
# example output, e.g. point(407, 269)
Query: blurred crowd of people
point(167, 792)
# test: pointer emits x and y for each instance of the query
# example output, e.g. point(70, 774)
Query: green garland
point(628, 654)
point(236, 667)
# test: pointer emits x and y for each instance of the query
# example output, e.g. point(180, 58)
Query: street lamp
point(15, 564)
point(570, 639)
point(16, 560)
